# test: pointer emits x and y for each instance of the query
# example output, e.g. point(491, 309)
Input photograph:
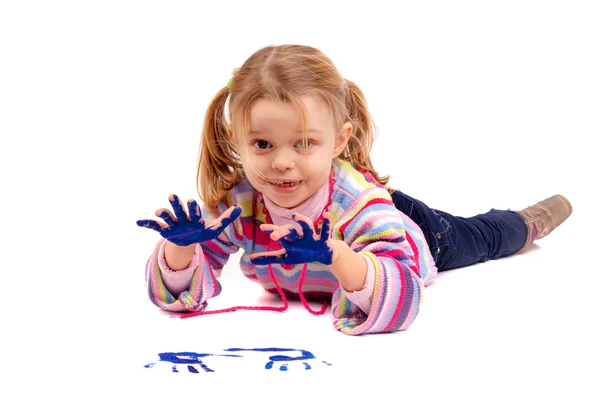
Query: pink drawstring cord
point(306, 306)
point(235, 308)
point(269, 308)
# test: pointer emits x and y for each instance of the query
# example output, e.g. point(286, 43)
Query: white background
point(478, 104)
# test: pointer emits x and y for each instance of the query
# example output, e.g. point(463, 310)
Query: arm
point(175, 267)
point(363, 297)
point(190, 281)
point(348, 267)
point(200, 282)
point(372, 227)
point(178, 257)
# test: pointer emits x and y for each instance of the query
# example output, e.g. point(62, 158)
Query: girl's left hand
point(305, 247)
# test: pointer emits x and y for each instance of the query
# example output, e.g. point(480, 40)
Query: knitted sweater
point(363, 216)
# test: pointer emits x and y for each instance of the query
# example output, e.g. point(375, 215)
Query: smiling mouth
point(284, 183)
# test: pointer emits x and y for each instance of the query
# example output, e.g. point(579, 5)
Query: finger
point(154, 225)
point(306, 224)
point(326, 227)
point(236, 211)
point(166, 215)
point(225, 219)
point(279, 252)
point(288, 232)
point(298, 217)
point(268, 228)
point(177, 205)
point(265, 258)
point(194, 209)
point(230, 214)
point(293, 236)
point(281, 231)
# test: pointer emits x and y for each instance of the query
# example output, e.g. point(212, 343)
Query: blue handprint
point(193, 359)
point(183, 230)
point(186, 358)
point(305, 355)
point(298, 248)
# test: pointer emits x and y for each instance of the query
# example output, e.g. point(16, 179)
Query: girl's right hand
point(184, 230)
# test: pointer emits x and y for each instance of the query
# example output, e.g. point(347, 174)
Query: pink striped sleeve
point(202, 287)
point(373, 227)
point(176, 281)
point(363, 298)
point(190, 289)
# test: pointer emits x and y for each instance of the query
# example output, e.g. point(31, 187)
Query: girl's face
point(273, 157)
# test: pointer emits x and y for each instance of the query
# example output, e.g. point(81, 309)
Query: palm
point(184, 230)
point(305, 248)
point(189, 232)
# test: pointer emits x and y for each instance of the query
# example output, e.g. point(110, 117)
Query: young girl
point(284, 173)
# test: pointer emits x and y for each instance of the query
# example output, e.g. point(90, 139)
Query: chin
point(286, 203)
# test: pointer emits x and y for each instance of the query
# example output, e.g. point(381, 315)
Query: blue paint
point(304, 355)
point(301, 249)
point(187, 358)
point(193, 360)
point(186, 231)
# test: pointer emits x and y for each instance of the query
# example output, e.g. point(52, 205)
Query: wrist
point(182, 247)
point(348, 267)
point(178, 257)
point(336, 246)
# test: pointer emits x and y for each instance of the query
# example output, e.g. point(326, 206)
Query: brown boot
point(543, 217)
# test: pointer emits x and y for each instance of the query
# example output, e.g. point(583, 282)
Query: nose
point(283, 160)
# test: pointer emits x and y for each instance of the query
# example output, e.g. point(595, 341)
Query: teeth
point(285, 183)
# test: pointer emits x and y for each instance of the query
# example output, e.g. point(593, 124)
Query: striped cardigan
point(363, 216)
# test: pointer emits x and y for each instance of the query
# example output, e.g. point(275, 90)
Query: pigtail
point(218, 165)
point(359, 146)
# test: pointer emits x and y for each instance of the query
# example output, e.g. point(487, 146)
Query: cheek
point(256, 161)
point(254, 166)
point(320, 168)
point(247, 157)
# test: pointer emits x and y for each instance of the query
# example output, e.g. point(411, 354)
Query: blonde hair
point(283, 73)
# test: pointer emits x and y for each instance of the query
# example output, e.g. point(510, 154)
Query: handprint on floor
point(186, 358)
point(194, 360)
point(304, 355)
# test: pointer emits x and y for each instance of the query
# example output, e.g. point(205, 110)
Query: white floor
point(478, 106)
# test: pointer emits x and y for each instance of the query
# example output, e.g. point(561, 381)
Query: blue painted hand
point(305, 247)
point(184, 230)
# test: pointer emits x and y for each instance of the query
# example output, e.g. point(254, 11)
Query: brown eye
point(260, 144)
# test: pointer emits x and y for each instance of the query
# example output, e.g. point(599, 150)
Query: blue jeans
point(458, 241)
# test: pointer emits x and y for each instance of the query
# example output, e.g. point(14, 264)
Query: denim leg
point(457, 241)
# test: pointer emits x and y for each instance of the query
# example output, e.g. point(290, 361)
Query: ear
point(342, 139)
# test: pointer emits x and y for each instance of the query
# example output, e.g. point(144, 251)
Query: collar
point(311, 208)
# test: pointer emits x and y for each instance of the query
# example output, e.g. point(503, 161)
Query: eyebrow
point(310, 131)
